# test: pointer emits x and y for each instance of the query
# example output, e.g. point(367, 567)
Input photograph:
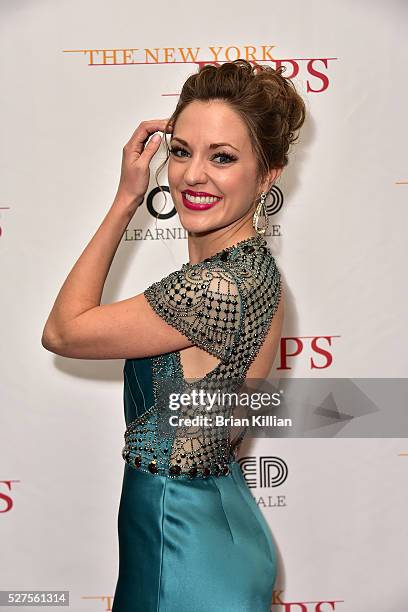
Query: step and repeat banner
point(77, 79)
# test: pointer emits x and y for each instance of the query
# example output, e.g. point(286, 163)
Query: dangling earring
point(261, 211)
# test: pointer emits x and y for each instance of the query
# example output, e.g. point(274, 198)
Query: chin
point(198, 228)
point(197, 223)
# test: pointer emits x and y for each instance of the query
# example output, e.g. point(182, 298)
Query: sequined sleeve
point(203, 302)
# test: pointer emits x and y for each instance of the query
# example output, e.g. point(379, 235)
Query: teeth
point(194, 200)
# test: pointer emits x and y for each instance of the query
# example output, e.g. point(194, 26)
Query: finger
point(140, 136)
point(150, 149)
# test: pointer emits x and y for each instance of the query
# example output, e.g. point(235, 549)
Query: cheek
point(175, 181)
point(175, 170)
point(227, 183)
point(172, 173)
point(238, 185)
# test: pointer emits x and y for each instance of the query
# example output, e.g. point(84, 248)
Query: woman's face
point(226, 171)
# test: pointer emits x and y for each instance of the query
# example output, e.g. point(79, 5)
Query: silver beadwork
point(224, 304)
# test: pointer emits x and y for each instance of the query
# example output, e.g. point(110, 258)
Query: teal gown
point(191, 536)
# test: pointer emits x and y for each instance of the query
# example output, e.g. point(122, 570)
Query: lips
point(199, 194)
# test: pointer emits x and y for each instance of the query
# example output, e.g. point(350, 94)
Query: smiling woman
point(191, 536)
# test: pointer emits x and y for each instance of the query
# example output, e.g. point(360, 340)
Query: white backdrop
point(339, 517)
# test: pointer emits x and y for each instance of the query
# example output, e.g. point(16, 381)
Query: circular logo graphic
point(152, 202)
point(274, 201)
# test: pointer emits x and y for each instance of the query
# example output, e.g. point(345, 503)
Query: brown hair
point(267, 102)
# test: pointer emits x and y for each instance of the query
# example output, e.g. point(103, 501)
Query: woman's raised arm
point(78, 326)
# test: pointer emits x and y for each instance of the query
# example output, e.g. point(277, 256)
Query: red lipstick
point(199, 194)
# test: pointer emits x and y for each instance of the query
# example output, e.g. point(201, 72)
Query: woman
point(191, 537)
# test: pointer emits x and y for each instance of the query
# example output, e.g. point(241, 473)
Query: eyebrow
point(214, 145)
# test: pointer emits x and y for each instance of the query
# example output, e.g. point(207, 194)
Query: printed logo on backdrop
point(6, 500)
point(313, 70)
point(278, 603)
point(263, 472)
point(318, 605)
point(317, 350)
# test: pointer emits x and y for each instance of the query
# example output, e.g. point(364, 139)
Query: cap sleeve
point(202, 302)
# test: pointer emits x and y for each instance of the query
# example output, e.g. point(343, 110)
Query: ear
point(271, 177)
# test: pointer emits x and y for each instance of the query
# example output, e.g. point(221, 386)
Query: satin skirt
point(199, 545)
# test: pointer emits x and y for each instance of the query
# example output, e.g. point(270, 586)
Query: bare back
point(196, 362)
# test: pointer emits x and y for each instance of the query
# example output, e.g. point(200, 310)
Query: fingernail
point(156, 138)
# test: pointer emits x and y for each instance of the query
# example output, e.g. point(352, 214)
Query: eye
point(227, 156)
point(175, 150)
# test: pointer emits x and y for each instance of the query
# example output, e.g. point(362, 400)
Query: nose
point(195, 171)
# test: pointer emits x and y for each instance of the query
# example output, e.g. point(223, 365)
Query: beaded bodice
point(224, 305)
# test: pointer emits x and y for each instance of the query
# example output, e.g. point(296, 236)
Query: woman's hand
point(136, 158)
